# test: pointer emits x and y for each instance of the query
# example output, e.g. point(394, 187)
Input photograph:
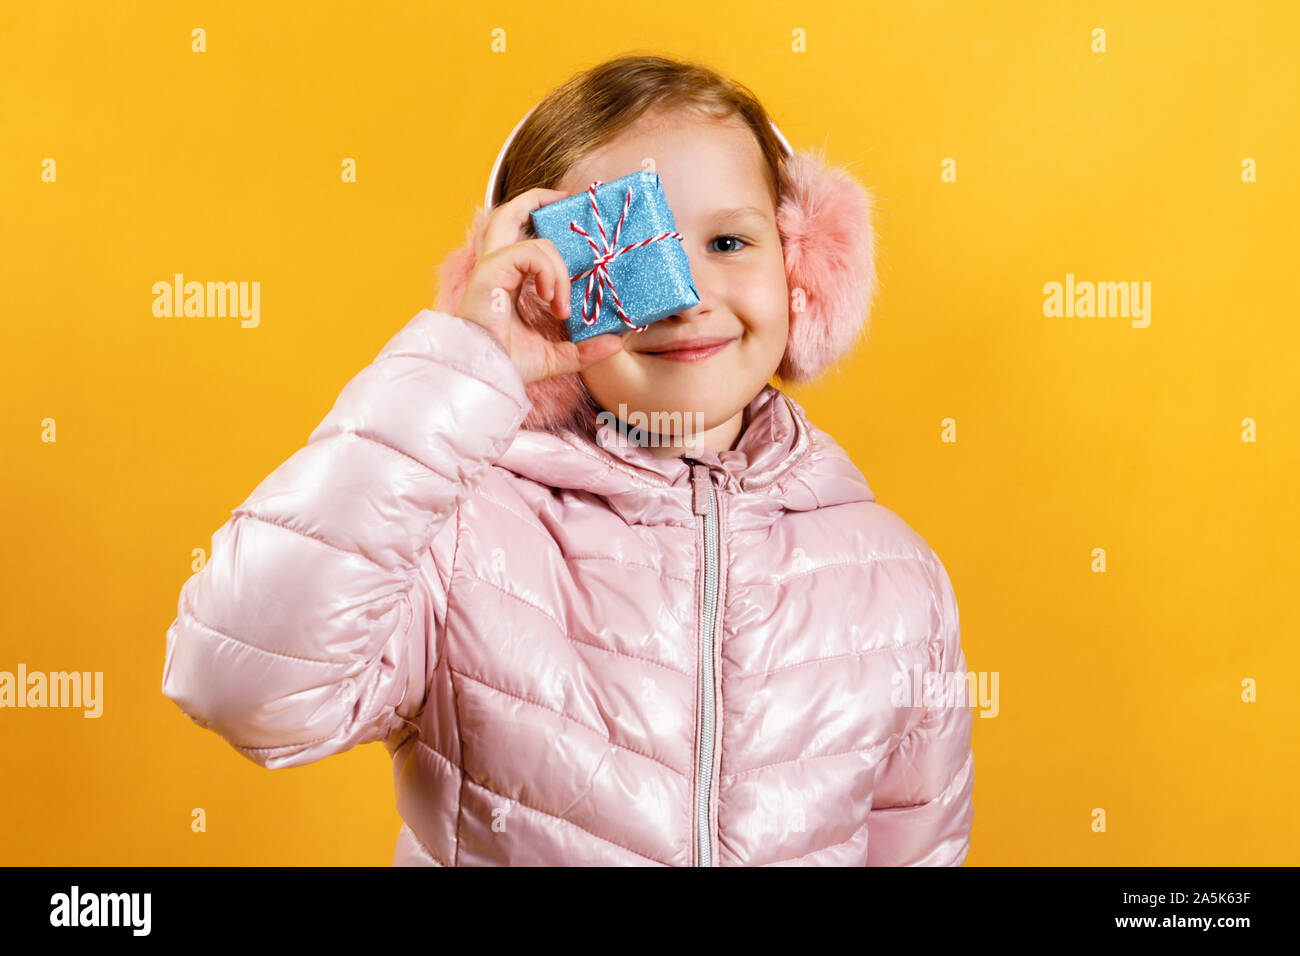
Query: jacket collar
point(782, 461)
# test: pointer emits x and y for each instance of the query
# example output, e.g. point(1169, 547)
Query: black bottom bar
point(335, 906)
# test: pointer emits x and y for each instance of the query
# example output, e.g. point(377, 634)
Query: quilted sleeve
point(923, 803)
point(313, 626)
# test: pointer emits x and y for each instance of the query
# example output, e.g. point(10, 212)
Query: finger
point(566, 358)
point(545, 282)
point(560, 290)
point(506, 222)
point(598, 348)
point(508, 268)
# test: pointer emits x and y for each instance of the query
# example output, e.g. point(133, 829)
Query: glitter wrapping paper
point(652, 282)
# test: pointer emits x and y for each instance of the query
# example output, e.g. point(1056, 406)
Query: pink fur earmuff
point(825, 224)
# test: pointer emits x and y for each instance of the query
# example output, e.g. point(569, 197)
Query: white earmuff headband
point(495, 177)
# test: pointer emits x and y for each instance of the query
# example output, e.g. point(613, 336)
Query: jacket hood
point(782, 458)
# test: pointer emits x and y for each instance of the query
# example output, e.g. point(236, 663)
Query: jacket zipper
point(704, 503)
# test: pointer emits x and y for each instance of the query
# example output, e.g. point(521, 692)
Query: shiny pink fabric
point(516, 615)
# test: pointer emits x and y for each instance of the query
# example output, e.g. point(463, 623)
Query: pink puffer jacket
point(576, 653)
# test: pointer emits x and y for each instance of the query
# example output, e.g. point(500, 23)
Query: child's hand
point(503, 260)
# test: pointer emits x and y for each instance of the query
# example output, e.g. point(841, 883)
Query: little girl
point(585, 645)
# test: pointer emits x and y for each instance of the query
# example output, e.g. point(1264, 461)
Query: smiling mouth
point(692, 352)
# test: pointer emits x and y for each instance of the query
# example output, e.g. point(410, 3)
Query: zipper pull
point(700, 485)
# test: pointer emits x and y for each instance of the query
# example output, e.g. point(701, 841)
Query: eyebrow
point(752, 212)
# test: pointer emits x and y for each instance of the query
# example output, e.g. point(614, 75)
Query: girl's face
point(713, 176)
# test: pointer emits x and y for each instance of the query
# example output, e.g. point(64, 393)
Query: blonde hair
point(595, 105)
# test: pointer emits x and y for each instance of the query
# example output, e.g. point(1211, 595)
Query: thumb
point(566, 358)
point(598, 348)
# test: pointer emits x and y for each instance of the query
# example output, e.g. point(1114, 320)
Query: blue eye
point(735, 239)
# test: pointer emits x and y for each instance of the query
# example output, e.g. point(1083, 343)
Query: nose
point(690, 314)
point(689, 322)
point(701, 279)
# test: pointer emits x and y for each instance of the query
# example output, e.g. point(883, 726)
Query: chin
point(685, 394)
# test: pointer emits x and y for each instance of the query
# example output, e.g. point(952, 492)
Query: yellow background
point(1118, 690)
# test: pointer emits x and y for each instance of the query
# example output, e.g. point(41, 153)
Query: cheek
point(763, 301)
point(612, 380)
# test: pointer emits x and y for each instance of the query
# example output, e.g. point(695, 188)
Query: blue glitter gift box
point(627, 267)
